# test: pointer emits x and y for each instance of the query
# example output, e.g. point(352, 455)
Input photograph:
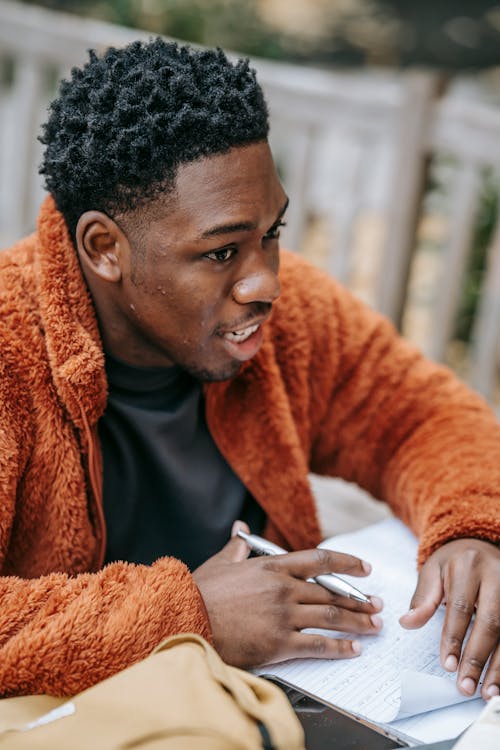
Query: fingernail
point(468, 685)
point(451, 663)
point(237, 526)
point(376, 621)
point(492, 691)
point(377, 602)
point(366, 566)
point(410, 612)
point(356, 647)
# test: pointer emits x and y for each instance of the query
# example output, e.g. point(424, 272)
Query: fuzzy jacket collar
point(71, 332)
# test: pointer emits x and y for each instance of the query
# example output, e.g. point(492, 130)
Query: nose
point(259, 284)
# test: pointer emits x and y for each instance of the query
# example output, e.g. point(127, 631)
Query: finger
point(306, 645)
point(491, 682)
point(312, 593)
point(236, 549)
point(461, 598)
point(426, 598)
point(313, 562)
point(239, 526)
point(482, 641)
point(334, 617)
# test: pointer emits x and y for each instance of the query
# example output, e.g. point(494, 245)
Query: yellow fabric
point(182, 697)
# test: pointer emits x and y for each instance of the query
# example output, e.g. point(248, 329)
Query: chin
point(206, 375)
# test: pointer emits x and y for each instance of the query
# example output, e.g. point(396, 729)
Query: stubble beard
point(209, 376)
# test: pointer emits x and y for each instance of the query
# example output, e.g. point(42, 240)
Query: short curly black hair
point(124, 122)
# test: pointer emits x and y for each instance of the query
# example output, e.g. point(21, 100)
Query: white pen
point(328, 580)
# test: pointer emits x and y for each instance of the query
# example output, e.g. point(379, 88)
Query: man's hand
point(257, 607)
point(465, 573)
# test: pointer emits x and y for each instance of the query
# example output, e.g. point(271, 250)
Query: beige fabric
point(182, 697)
point(343, 507)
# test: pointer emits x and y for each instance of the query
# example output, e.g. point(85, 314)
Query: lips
point(243, 343)
point(242, 334)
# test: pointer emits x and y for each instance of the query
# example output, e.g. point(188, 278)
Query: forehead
point(242, 184)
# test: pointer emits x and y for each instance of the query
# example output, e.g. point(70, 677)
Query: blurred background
point(385, 128)
point(451, 34)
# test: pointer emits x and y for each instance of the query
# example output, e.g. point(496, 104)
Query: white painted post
point(406, 192)
point(486, 330)
point(16, 160)
point(464, 203)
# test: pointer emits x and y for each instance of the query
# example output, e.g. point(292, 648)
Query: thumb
point(426, 598)
point(236, 549)
point(239, 526)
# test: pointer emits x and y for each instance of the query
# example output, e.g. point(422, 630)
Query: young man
point(164, 379)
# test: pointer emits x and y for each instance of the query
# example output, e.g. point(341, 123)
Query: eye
point(222, 255)
point(274, 232)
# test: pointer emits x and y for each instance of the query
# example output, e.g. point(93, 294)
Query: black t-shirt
point(167, 488)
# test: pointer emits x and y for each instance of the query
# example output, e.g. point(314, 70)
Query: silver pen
point(328, 580)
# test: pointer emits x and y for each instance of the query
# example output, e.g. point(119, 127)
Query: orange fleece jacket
point(333, 390)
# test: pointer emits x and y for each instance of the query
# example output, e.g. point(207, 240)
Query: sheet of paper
point(398, 677)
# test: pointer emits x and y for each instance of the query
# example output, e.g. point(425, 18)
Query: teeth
point(241, 336)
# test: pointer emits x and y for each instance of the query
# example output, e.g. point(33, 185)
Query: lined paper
point(398, 678)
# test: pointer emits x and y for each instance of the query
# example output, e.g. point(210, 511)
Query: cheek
point(206, 319)
point(191, 317)
point(182, 308)
point(200, 307)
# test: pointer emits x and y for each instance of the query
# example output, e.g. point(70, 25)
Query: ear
point(101, 245)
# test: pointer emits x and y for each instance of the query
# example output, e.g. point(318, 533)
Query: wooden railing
point(354, 150)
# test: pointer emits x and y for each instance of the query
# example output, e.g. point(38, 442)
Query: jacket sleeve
point(400, 426)
point(58, 633)
point(61, 634)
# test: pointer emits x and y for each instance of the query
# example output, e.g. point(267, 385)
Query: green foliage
point(230, 24)
point(451, 34)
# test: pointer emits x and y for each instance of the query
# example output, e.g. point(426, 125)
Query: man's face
point(201, 276)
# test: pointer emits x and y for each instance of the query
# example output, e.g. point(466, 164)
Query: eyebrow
point(243, 226)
